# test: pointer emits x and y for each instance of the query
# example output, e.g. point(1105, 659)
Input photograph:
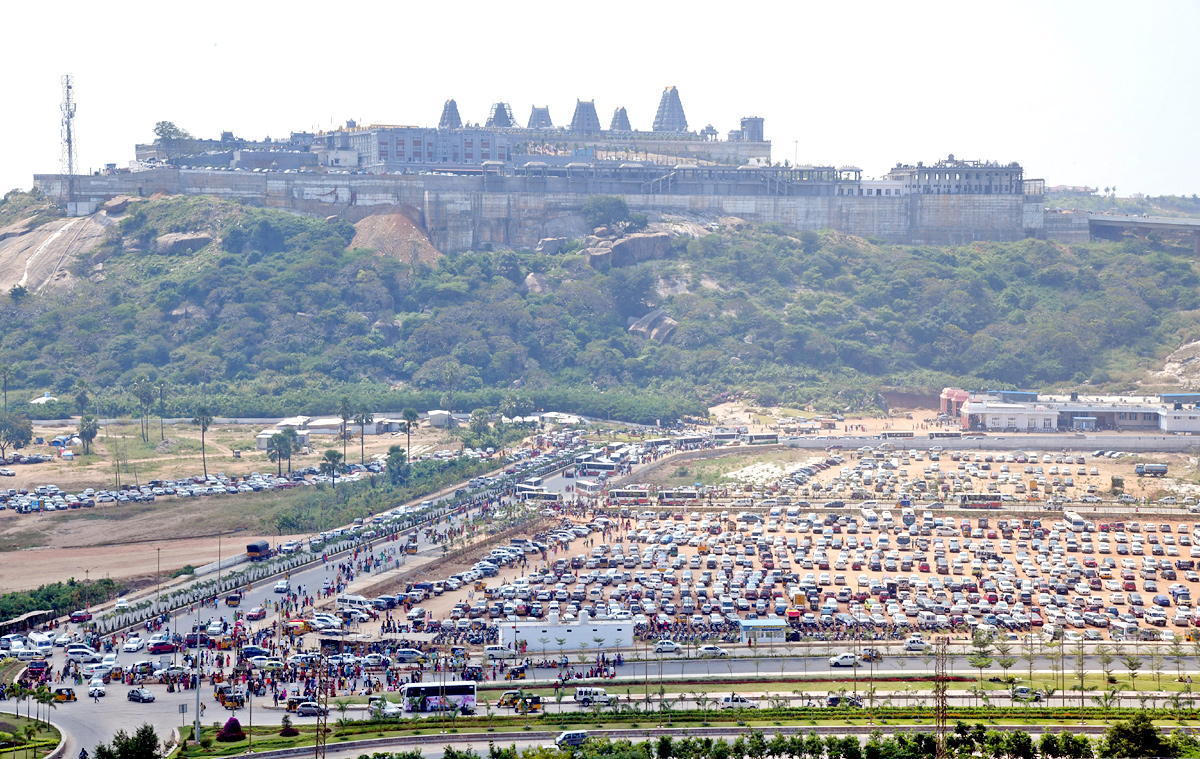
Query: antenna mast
point(69, 155)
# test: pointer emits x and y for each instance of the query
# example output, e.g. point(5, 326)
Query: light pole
point(196, 663)
point(158, 577)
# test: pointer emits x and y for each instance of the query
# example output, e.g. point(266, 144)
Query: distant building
point(1005, 411)
point(620, 121)
point(539, 118)
point(954, 177)
point(500, 117)
point(585, 120)
point(450, 118)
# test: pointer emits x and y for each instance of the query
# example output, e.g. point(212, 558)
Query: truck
point(259, 550)
point(1153, 470)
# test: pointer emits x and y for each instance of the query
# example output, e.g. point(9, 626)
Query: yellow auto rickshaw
point(480, 585)
point(515, 673)
point(509, 698)
point(294, 702)
point(234, 701)
point(530, 705)
point(65, 694)
point(234, 598)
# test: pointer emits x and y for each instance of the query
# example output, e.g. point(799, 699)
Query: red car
point(162, 647)
point(256, 613)
point(81, 616)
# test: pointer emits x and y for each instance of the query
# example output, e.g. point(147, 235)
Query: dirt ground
point(138, 562)
point(395, 236)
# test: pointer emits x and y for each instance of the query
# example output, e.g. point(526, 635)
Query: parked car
point(309, 709)
point(711, 652)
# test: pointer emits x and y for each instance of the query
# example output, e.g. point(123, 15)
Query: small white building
point(440, 418)
point(264, 437)
point(1023, 417)
point(598, 635)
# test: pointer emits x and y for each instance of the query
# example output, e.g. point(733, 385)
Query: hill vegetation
point(279, 316)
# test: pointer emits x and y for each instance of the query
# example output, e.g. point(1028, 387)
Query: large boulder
point(640, 247)
point(598, 257)
point(551, 246)
point(181, 242)
point(536, 284)
point(656, 326)
point(117, 205)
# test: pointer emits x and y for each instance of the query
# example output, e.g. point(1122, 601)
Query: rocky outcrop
point(598, 257)
point(181, 242)
point(537, 284)
point(640, 247)
point(551, 246)
point(656, 326)
point(117, 205)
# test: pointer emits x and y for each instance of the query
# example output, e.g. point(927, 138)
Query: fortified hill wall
point(462, 212)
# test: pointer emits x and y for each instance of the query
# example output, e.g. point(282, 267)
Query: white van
point(350, 601)
point(499, 652)
point(14, 640)
point(40, 642)
point(588, 696)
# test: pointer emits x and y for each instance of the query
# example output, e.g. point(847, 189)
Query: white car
point(122, 604)
point(846, 659)
point(667, 647)
point(133, 644)
point(96, 687)
point(283, 586)
point(711, 652)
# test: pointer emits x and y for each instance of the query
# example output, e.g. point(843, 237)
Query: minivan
point(499, 652)
point(571, 738)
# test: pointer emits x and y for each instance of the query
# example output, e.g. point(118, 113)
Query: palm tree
point(362, 419)
point(89, 427)
point(83, 393)
point(203, 419)
point(161, 387)
point(410, 417)
point(45, 697)
point(5, 374)
point(278, 449)
point(346, 412)
point(293, 444)
point(332, 464)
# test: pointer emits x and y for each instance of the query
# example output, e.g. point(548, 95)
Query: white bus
point(454, 695)
point(908, 517)
point(887, 520)
point(588, 488)
point(870, 518)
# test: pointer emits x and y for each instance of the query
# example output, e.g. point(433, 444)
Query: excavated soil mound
point(396, 236)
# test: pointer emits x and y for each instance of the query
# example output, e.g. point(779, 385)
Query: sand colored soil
point(396, 236)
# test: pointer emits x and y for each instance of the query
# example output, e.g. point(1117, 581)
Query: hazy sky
point(1098, 93)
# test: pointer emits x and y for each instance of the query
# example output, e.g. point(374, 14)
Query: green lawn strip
point(46, 740)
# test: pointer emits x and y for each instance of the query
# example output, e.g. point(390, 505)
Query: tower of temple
point(620, 121)
point(670, 116)
point(540, 118)
point(585, 119)
point(450, 118)
point(501, 117)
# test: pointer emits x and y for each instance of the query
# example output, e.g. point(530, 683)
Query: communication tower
point(69, 156)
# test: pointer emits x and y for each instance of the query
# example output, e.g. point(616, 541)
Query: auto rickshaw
point(65, 694)
point(234, 598)
point(530, 705)
point(515, 673)
point(235, 701)
point(870, 655)
point(480, 585)
point(509, 698)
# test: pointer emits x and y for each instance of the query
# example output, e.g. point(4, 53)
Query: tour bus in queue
point(762, 438)
point(980, 500)
point(588, 488)
point(259, 550)
point(598, 467)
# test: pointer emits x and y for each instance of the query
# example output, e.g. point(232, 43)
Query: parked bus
point(679, 496)
point(891, 434)
point(535, 482)
point(908, 517)
point(870, 518)
point(588, 488)
point(660, 442)
point(944, 435)
point(439, 697)
point(543, 496)
point(762, 438)
point(980, 500)
point(598, 466)
point(639, 496)
point(887, 521)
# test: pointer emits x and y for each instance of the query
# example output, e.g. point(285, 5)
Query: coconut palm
point(89, 427)
point(345, 412)
point(203, 419)
point(410, 417)
point(331, 464)
point(362, 419)
point(278, 449)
